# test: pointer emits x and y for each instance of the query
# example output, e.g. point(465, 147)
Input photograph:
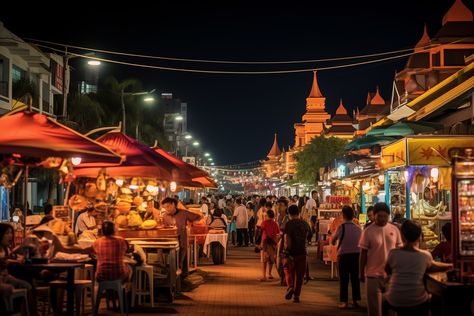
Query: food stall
point(417, 170)
point(453, 292)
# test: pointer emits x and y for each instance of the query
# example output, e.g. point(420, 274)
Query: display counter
point(449, 298)
point(148, 233)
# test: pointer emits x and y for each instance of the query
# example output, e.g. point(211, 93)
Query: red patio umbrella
point(36, 135)
point(28, 135)
point(140, 160)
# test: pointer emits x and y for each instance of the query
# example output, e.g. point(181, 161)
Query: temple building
point(273, 166)
point(375, 109)
point(340, 124)
point(434, 59)
point(314, 119)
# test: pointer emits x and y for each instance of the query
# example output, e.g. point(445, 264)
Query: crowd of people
point(384, 255)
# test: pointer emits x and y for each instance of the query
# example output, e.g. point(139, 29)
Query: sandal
point(262, 279)
point(270, 277)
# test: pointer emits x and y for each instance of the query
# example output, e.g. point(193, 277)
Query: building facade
point(27, 75)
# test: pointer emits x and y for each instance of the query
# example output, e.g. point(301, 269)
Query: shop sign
point(435, 150)
point(394, 155)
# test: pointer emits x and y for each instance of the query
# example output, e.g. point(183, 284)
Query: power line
point(228, 72)
point(305, 61)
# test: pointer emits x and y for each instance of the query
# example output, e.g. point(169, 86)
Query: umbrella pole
point(25, 199)
point(66, 197)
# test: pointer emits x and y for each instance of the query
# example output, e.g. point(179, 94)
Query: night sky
point(235, 116)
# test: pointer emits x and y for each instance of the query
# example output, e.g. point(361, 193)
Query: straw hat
point(126, 191)
point(77, 202)
point(90, 190)
point(101, 206)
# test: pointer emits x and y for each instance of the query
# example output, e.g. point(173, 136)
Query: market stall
point(417, 172)
point(453, 292)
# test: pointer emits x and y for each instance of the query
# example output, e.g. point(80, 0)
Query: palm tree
point(86, 112)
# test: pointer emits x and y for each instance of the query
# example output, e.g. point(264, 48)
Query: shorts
point(232, 227)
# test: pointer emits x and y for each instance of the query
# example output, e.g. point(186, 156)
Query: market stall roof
point(433, 150)
point(369, 141)
point(36, 135)
point(193, 171)
point(185, 173)
point(140, 160)
point(405, 128)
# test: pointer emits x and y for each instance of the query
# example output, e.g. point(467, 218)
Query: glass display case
point(463, 214)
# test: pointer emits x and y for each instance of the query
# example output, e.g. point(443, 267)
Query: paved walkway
point(232, 289)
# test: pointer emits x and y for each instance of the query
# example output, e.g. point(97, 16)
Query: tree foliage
point(317, 154)
point(104, 108)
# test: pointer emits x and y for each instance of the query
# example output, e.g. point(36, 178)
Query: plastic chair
point(79, 287)
point(139, 288)
point(17, 293)
point(118, 286)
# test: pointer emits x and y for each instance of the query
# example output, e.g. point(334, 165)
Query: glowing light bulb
point(119, 182)
point(76, 161)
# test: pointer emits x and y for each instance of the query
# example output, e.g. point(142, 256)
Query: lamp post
point(122, 98)
point(66, 79)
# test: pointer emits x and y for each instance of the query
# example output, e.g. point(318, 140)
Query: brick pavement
point(232, 289)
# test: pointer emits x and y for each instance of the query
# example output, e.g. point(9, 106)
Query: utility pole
point(65, 82)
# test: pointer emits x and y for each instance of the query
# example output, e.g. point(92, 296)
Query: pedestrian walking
point(270, 232)
point(376, 242)
point(241, 222)
point(347, 236)
point(295, 253)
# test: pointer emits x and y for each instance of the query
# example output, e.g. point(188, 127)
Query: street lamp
point(207, 154)
point(196, 143)
point(179, 118)
point(93, 62)
point(148, 98)
point(188, 136)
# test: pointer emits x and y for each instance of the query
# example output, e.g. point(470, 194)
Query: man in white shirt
point(376, 242)
point(221, 202)
point(86, 221)
point(242, 222)
point(204, 206)
point(311, 208)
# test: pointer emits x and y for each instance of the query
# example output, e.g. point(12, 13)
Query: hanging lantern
point(119, 182)
point(434, 174)
point(76, 161)
point(381, 178)
point(173, 186)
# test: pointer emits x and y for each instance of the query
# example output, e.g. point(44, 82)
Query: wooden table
point(449, 298)
point(57, 267)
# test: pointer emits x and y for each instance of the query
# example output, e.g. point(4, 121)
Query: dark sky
point(235, 116)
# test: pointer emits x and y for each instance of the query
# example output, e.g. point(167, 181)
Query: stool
point(17, 293)
point(117, 286)
point(79, 287)
point(139, 289)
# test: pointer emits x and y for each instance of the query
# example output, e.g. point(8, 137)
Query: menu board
point(61, 211)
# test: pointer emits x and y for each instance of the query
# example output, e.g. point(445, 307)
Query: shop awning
point(404, 128)
point(36, 135)
point(423, 150)
point(369, 141)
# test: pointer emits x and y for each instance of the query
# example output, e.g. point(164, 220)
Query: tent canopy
point(140, 160)
point(36, 135)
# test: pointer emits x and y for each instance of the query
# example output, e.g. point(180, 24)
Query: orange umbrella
point(36, 135)
point(140, 160)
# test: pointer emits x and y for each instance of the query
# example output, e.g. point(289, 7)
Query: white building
point(21, 62)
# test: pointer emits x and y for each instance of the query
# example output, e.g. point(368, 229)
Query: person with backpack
point(347, 235)
point(217, 220)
